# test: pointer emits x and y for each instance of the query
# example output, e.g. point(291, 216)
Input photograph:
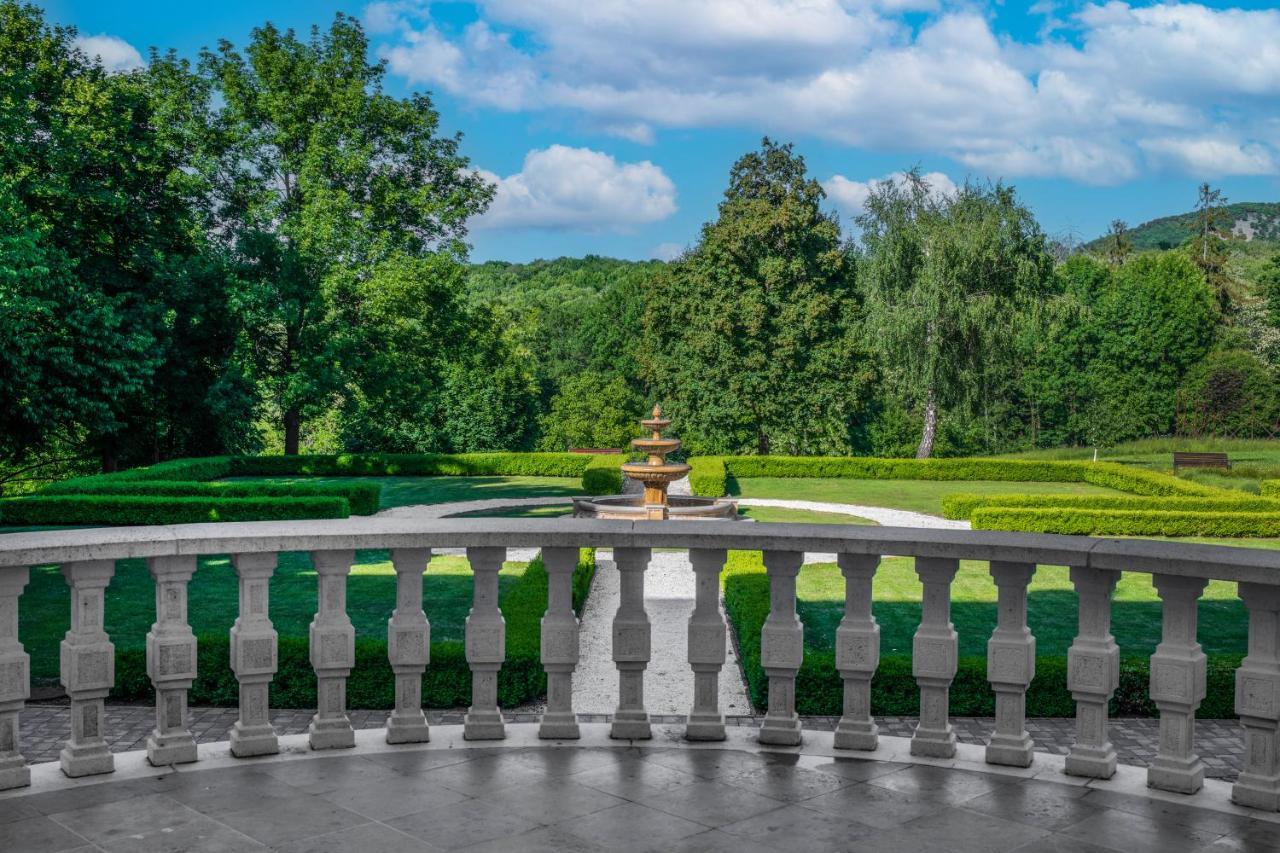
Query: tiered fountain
point(655, 474)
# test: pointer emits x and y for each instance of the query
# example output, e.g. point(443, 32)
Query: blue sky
point(610, 126)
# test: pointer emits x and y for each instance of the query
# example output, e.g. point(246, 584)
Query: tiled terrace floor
point(1220, 743)
point(624, 798)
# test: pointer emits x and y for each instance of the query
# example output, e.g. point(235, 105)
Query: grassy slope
point(916, 495)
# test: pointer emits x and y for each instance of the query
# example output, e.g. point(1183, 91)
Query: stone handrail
point(1178, 667)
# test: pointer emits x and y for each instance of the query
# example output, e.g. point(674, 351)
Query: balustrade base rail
point(1177, 685)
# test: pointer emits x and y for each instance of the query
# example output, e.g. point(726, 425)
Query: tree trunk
point(292, 422)
point(925, 450)
point(762, 443)
point(110, 462)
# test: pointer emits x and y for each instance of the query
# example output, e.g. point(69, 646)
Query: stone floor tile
point(634, 778)
point(1181, 811)
point(321, 775)
point(38, 835)
point(461, 824)
point(1058, 843)
point(366, 838)
point(544, 839)
point(786, 783)
point(794, 827)
point(481, 775)
point(551, 800)
point(1131, 833)
point(288, 819)
point(711, 803)
point(964, 831)
point(942, 783)
point(853, 769)
point(1041, 804)
point(383, 799)
point(624, 826)
point(883, 808)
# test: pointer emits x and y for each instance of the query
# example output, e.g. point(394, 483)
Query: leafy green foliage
point(363, 498)
point(1127, 522)
point(708, 476)
point(1229, 393)
point(591, 410)
point(750, 339)
point(33, 510)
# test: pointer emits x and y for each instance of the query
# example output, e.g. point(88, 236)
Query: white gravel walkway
point(669, 593)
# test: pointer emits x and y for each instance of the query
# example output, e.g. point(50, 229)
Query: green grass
point(804, 516)
point(130, 603)
point(915, 495)
point(1157, 453)
point(407, 491)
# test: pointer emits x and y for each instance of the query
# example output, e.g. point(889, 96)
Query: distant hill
point(1252, 220)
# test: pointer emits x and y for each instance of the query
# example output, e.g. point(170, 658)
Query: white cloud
point(1133, 84)
point(114, 53)
point(667, 251)
point(579, 189)
point(850, 196)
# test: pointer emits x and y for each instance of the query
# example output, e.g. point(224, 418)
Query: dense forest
point(262, 250)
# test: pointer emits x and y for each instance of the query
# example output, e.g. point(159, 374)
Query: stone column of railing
point(88, 668)
point(171, 661)
point(1011, 664)
point(782, 648)
point(934, 658)
point(857, 652)
point(559, 645)
point(631, 645)
point(1258, 700)
point(1093, 673)
point(409, 647)
point(707, 645)
point(1178, 686)
point(486, 645)
point(333, 652)
point(254, 656)
point(15, 678)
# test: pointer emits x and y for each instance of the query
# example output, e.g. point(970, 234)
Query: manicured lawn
point(915, 495)
point(406, 491)
point(130, 608)
point(1158, 452)
point(805, 516)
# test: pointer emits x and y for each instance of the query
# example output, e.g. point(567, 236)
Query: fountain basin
point(633, 508)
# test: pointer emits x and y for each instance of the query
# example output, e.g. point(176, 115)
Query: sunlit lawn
point(915, 495)
point(406, 491)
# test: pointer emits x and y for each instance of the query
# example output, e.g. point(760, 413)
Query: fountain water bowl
point(655, 474)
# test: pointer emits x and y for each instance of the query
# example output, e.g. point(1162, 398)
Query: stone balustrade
point(1180, 573)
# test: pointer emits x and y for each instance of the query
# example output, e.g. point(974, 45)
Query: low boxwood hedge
point(894, 691)
point(446, 683)
point(962, 505)
point(1124, 522)
point(1111, 474)
point(415, 465)
point(40, 510)
point(707, 476)
point(603, 474)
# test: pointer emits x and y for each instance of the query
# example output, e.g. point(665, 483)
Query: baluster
point(1011, 665)
point(631, 642)
point(559, 644)
point(409, 646)
point(782, 648)
point(333, 652)
point(171, 661)
point(486, 645)
point(254, 656)
point(1093, 673)
point(857, 652)
point(707, 645)
point(1178, 686)
point(88, 668)
point(934, 658)
point(15, 678)
point(1258, 700)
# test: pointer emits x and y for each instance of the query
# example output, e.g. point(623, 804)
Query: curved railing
point(1180, 573)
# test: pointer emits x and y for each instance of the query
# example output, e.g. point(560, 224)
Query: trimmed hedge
point(1270, 488)
point(415, 465)
point(39, 510)
point(962, 505)
point(445, 684)
point(894, 691)
point(707, 476)
point(1111, 474)
point(1123, 522)
point(603, 474)
point(364, 498)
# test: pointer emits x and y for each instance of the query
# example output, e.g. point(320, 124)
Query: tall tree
point(1118, 244)
point(1208, 247)
point(316, 178)
point(750, 339)
point(946, 279)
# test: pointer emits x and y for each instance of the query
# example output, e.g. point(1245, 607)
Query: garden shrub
point(894, 691)
point(445, 684)
point(414, 465)
point(364, 498)
point(1122, 522)
point(707, 476)
point(962, 505)
point(39, 510)
point(603, 474)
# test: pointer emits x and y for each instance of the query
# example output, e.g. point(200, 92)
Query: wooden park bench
point(1200, 460)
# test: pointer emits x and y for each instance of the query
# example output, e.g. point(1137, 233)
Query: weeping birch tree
point(946, 280)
